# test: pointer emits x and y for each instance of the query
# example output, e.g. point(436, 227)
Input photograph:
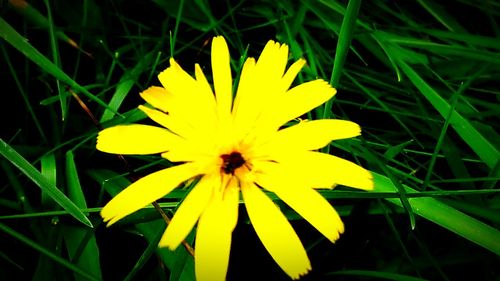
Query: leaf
point(445, 216)
point(32, 173)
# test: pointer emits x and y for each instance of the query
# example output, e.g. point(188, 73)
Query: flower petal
point(310, 135)
point(158, 97)
point(213, 237)
point(275, 232)
point(290, 74)
point(306, 201)
point(177, 126)
point(325, 170)
point(221, 70)
point(272, 61)
point(260, 81)
point(298, 101)
point(136, 139)
point(189, 100)
point(188, 213)
point(146, 190)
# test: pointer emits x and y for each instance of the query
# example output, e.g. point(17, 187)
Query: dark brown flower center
point(231, 162)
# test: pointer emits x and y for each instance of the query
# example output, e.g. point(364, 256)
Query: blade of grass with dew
point(445, 216)
point(54, 257)
point(80, 241)
point(32, 173)
point(20, 43)
point(477, 142)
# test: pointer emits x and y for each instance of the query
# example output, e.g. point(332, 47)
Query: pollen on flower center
point(231, 162)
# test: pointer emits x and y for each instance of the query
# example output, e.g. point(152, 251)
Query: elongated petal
point(222, 76)
point(188, 213)
point(291, 73)
point(310, 135)
point(146, 190)
point(275, 232)
point(136, 139)
point(188, 100)
point(272, 61)
point(176, 125)
point(298, 101)
point(260, 86)
point(306, 202)
point(158, 97)
point(324, 170)
point(213, 238)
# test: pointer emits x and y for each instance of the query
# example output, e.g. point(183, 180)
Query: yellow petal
point(146, 190)
point(188, 213)
point(324, 170)
point(306, 202)
point(298, 101)
point(213, 238)
point(310, 135)
point(272, 61)
point(241, 107)
point(222, 76)
point(188, 100)
point(176, 125)
point(206, 96)
point(158, 97)
point(290, 74)
point(275, 232)
point(260, 86)
point(136, 139)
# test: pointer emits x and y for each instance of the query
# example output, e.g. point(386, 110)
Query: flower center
point(231, 162)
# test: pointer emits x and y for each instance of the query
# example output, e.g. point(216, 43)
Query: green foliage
point(419, 77)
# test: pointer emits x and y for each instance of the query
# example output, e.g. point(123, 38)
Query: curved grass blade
point(343, 45)
point(488, 153)
point(29, 170)
point(20, 43)
point(444, 215)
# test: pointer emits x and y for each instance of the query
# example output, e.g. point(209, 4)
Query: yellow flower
point(235, 145)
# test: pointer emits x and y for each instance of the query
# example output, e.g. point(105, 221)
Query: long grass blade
point(32, 173)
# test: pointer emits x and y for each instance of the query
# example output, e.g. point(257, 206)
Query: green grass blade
point(80, 241)
point(440, 14)
point(21, 44)
point(49, 172)
point(150, 250)
point(445, 216)
point(56, 59)
point(124, 86)
point(46, 252)
point(23, 93)
point(479, 144)
point(22, 164)
point(343, 46)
